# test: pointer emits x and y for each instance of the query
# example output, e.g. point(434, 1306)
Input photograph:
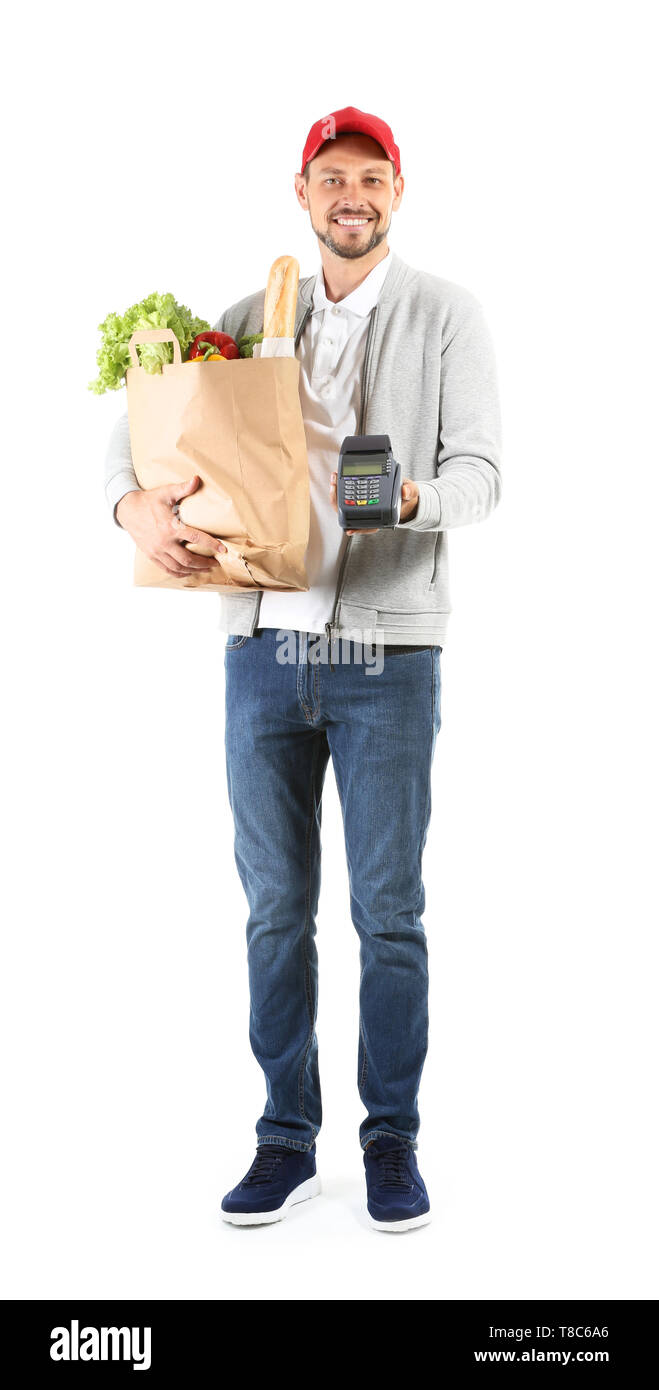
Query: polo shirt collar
point(361, 300)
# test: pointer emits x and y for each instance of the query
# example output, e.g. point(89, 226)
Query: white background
point(154, 146)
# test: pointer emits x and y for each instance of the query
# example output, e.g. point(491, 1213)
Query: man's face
point(350, 177)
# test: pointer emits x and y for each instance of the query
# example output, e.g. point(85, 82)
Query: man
point(384, 349)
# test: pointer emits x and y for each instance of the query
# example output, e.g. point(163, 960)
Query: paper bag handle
point(154, 335)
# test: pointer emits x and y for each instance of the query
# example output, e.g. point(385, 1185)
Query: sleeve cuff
point(117, 488)
point(428, 512)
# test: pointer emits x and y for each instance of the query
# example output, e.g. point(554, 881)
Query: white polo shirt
point(331, 356)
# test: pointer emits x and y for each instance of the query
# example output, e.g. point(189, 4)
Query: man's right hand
point(148, 517)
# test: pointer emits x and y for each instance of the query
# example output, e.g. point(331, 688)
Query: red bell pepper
point(220, 342)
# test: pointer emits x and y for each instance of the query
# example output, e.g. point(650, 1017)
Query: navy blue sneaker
point(396, 1193)
point(278, 1178)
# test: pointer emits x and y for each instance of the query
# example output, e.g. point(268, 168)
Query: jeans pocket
point(235, 639)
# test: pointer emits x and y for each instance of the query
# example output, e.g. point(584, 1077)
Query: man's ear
point(301, 189)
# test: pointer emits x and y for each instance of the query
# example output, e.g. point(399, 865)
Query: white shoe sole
point(310, 1188)
point(400, 1225)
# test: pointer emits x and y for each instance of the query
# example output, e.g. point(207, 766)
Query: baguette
point(281, 299)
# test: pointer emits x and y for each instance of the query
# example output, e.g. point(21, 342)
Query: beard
point(353, 247)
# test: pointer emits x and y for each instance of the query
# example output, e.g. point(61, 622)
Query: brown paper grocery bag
point(239, 426)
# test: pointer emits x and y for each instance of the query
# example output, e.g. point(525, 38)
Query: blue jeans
point(283, 720)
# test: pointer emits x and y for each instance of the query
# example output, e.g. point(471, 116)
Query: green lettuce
point(246, 344)
point(156, 311)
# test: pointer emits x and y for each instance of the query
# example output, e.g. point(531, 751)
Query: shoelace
point(263, 1168)
point(392, 1171)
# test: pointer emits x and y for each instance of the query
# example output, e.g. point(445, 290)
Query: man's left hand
point(408, 505)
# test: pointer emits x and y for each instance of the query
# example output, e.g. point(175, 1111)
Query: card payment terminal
point(368, 482)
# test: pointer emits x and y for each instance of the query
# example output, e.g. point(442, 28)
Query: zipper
point(298, 335)
point(360, 430)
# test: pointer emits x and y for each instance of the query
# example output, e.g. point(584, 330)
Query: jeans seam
point(307, 923)
point(426, 819)
point(362, 1081)
point(364, 1068)
point(306, 710)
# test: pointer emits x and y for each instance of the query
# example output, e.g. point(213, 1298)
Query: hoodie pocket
point(435, 562)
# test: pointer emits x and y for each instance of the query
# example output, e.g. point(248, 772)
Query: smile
point(352, 221)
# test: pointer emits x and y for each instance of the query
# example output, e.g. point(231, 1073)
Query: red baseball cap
point(350, 120)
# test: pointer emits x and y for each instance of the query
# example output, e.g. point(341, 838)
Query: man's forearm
point(120, 476)
point(464, 492)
